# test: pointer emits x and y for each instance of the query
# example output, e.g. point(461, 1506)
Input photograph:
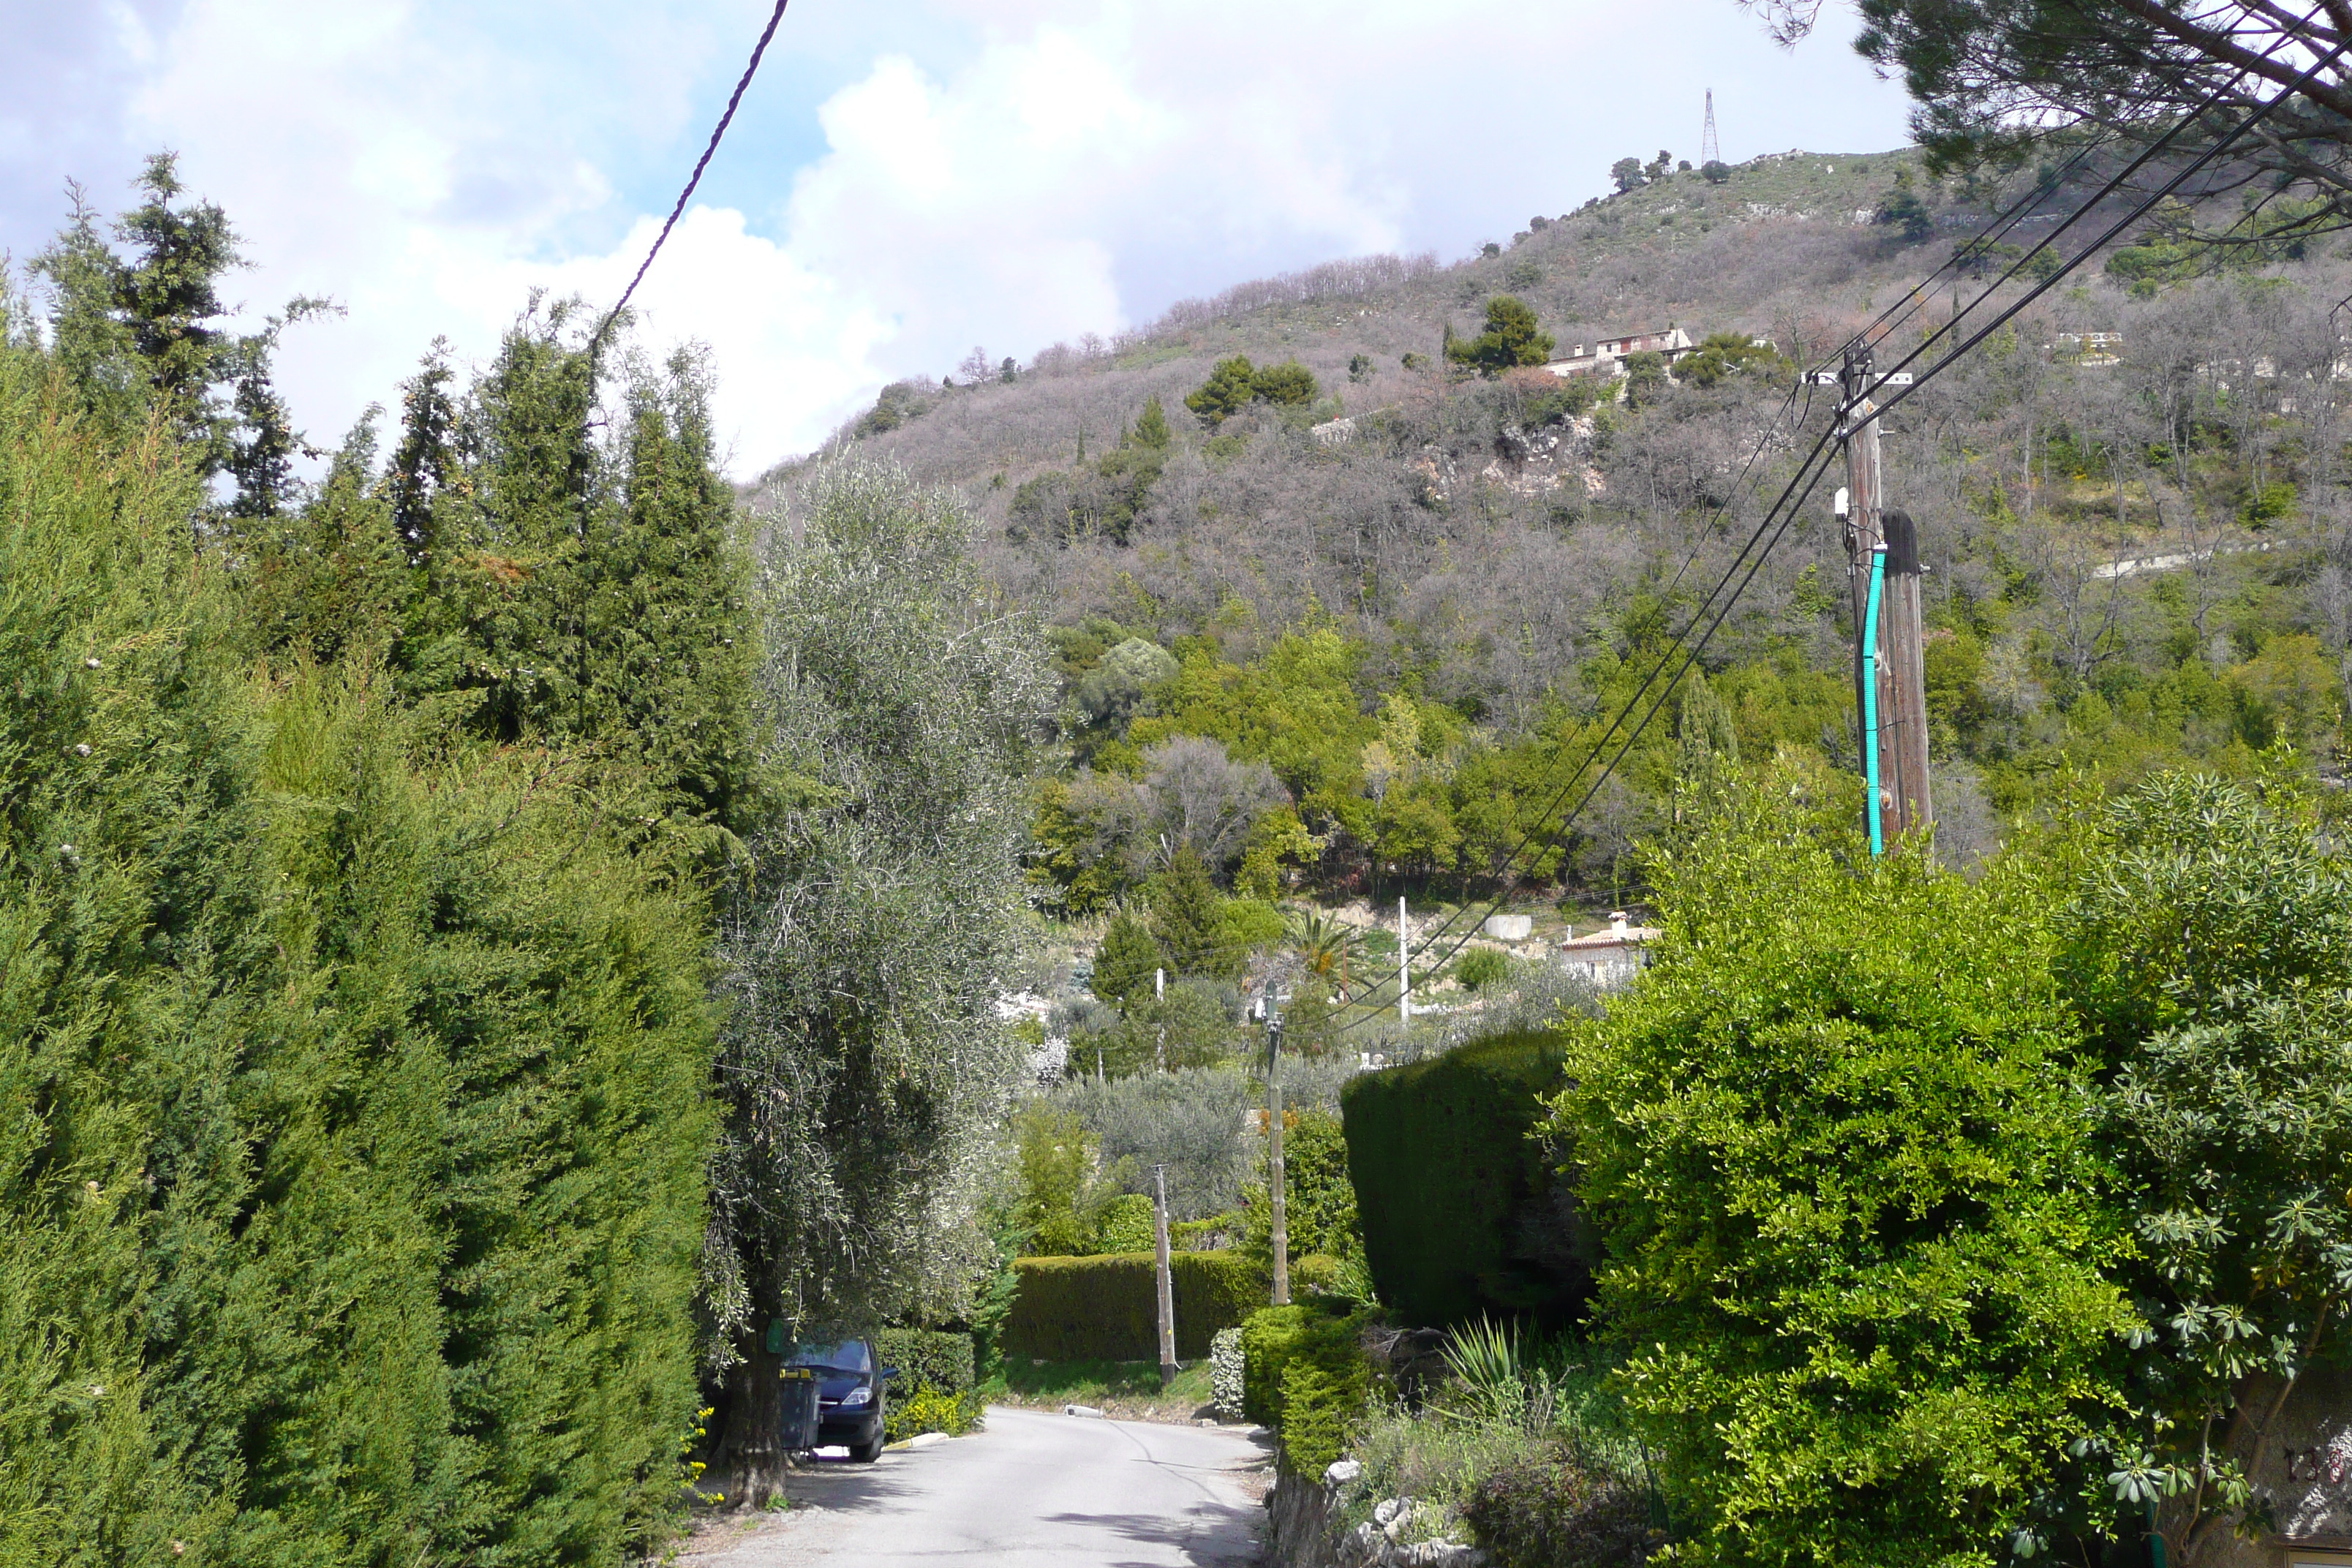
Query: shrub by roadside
point(936, 1390)
point(1549, 1511)
point(1105, 1308)
point(1304, 1375)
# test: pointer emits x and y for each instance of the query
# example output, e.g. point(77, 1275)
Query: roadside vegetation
point(506, 934)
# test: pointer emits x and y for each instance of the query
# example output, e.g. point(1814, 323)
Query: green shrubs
point(1304, 1374)
point(1554, 1514)
point(1837, 1142)
point(937, 1388)
point(1235, 383)
point(1455, 1201)
point(1481, 967)
point(929, 1409)
point(1106, 1307)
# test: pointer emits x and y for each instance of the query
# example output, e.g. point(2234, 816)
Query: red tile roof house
point(1612, 955)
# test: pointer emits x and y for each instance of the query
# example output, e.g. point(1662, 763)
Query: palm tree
point(1325, 945)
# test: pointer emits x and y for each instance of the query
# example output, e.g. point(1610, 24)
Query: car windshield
point(849, 1355)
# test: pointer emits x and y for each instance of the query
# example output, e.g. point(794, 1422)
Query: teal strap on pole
point(1871, 813)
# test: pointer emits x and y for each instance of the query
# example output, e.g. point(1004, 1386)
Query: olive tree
point(865, 1072)
point(2210, 951)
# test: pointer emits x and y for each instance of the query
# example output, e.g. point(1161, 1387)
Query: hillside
point(1490, 552)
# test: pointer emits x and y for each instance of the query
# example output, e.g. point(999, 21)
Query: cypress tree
point(351, 1117)
point(1151, 425)
point(1188, 918)
point(1125, 962)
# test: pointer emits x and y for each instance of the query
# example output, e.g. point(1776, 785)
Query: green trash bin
point(796, 1411)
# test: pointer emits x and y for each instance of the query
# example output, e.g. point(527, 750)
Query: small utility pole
point(1166, 1284)
point(1899, 672)
point(1405, 969)
point(1276, 1180)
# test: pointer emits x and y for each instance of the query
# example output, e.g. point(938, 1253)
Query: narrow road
point(1034, 1487)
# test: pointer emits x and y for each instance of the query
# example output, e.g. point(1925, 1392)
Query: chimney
point(1617, 923)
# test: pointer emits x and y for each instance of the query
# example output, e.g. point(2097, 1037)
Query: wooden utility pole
point(1902, 636)
point(1276, 1181)
point(1166, 1284)
point(1900, 674)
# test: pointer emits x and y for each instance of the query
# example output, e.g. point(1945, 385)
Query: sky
point(906, 180)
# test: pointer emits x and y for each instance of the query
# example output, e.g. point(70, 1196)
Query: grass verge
point(1128, 1389)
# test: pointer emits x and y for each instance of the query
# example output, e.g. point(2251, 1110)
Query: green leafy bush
point(1834, 1141)
point(2208, 948)
point(1286, 385)
point(927, 1409)
point(1305, 1375)
point(1456, 1202)
point(1226, 1368)
point(1723, 355)
point(937, 1387)
point(1127, 1224)
point(1107, 1308)
point(1557, 1515)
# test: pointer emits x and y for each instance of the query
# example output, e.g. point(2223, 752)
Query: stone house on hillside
point(1608, 356)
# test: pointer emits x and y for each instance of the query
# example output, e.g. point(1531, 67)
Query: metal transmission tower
point(1709, 152)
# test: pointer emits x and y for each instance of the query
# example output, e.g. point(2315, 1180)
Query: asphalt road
point(1033, 1488)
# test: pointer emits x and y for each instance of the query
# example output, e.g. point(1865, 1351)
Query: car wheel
point(866, 1453)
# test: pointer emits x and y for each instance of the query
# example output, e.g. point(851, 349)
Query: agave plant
point(1484, 1357)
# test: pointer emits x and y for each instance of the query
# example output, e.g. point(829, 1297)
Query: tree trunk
point(751, 1467)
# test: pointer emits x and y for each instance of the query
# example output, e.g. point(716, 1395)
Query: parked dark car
point(851, 1398)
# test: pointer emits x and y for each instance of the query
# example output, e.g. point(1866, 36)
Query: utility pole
point(1898, 673)
point(1167, 1285)
point(1276, 1182)
point(1405, 969)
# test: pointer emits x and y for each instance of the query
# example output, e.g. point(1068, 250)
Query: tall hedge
point(1107, 1308)
point(352, 1076)
point(1461, 1215)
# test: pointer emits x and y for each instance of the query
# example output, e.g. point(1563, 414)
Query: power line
point(694, 179)
point(1888, 319)
point(2246, 124)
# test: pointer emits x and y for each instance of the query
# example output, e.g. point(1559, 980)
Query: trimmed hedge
point(1304, 1374)
point(932, 1357)
point(1107, 1308)
point(1460, 1215)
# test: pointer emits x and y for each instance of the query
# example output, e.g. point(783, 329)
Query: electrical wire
point(1887, 320)
point(2215, 151)
point(676, 209)
point(1899, 394)
point(2114, 184)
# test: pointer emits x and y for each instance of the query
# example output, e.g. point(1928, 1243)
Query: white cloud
point(1049, 168)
